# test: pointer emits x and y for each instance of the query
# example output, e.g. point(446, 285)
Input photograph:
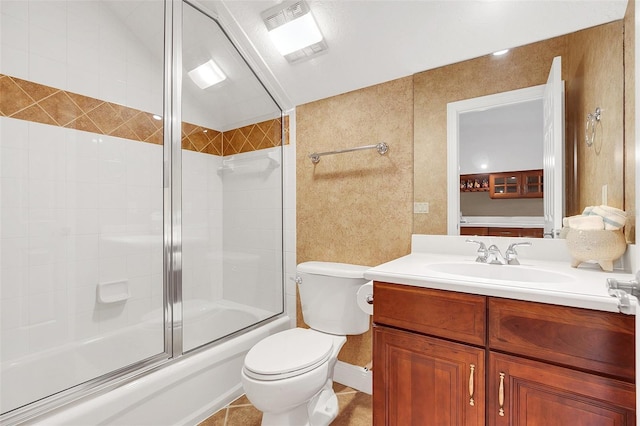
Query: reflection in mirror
point(501, 138)
point(231, 188)
point(496, 135)
point(593, 71)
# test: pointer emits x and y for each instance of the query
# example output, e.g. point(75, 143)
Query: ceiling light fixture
point(207, 74)
point(500, 52)
point(294, 30)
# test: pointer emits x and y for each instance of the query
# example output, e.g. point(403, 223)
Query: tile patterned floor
point(355, 410)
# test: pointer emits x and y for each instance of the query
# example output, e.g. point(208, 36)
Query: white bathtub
point(182, 392)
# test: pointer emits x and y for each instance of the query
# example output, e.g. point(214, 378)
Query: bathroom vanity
point(460, 343)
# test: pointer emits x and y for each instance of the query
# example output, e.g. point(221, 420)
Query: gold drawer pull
point(471, 386)
point(501, 395)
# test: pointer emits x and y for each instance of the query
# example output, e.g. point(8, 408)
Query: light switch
point(421, 208)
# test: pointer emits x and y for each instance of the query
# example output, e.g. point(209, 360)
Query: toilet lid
point(287, 354)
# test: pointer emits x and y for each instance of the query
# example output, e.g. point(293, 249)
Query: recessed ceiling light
point(500, 52)
point(157, 117)
point(293, 30)
point(207, 74)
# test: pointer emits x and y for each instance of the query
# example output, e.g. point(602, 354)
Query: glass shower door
point(81, 181)
point(232, 267)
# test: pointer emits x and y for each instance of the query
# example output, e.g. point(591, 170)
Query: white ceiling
point(373, 41)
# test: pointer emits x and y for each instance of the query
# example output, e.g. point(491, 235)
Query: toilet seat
point(288, 354)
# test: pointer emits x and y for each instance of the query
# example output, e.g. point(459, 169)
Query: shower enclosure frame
point(172, 235)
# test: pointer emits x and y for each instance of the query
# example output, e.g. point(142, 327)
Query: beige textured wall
point(594, 77)
point(356, 207)
point(629, 120)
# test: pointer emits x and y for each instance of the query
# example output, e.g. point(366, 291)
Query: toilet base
point(320, 411)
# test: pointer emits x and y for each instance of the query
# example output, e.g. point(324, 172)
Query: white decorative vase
point(601, 246)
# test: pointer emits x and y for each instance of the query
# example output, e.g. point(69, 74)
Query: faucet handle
point(482, 250)
point(511, 254)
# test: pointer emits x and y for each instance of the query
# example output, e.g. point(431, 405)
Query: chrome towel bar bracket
point(381, 147)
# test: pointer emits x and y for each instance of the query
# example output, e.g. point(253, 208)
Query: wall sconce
point(293, 30)
point(593, 119)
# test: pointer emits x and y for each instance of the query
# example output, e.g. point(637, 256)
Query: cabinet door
point(420, 380)
point(505, 185)
point(532, 184)
point(523, 184)
point(523, 392)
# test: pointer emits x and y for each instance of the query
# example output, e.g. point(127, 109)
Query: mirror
point(593, 72)
point(487, 136)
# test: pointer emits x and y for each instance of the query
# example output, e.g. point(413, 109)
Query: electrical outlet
point(421, 208)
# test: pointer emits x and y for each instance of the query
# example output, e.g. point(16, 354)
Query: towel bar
point(382, 148)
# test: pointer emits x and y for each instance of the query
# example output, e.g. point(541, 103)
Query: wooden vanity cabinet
point(448, 358)
point(501, 231)
point(419, 379)
point(559, 365)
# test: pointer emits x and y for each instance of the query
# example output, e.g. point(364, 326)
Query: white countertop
point(582, 287)
point(503, 221)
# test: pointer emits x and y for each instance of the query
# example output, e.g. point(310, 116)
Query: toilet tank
point(328, 296)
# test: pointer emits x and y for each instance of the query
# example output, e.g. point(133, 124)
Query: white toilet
point(289, 375)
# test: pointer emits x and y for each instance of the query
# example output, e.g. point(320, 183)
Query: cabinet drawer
point(474, 230)
point(502, 232)
point(505, 232)
point(584, 339)
point(455, 316)
point(516, 232)
point(532, 232)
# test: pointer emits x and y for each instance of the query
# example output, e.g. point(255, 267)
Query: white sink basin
point(510, 273)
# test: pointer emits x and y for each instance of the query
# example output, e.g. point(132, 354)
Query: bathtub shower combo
point(141, 217)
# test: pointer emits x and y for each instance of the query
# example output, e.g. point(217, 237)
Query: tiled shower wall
point(77, 209)
point(81, 196)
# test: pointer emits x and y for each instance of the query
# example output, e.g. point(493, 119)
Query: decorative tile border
point(25, 100)
point(201, 139)
point(253, 137)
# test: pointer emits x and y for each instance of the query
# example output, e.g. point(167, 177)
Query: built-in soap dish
point(113, 292)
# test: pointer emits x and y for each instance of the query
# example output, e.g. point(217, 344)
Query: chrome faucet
point(494, 257)
point(511, 254)
point(482, 251)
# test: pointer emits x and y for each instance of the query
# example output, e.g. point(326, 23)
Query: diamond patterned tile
point(61, 108)
point(13, 98)
point(26, 100)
